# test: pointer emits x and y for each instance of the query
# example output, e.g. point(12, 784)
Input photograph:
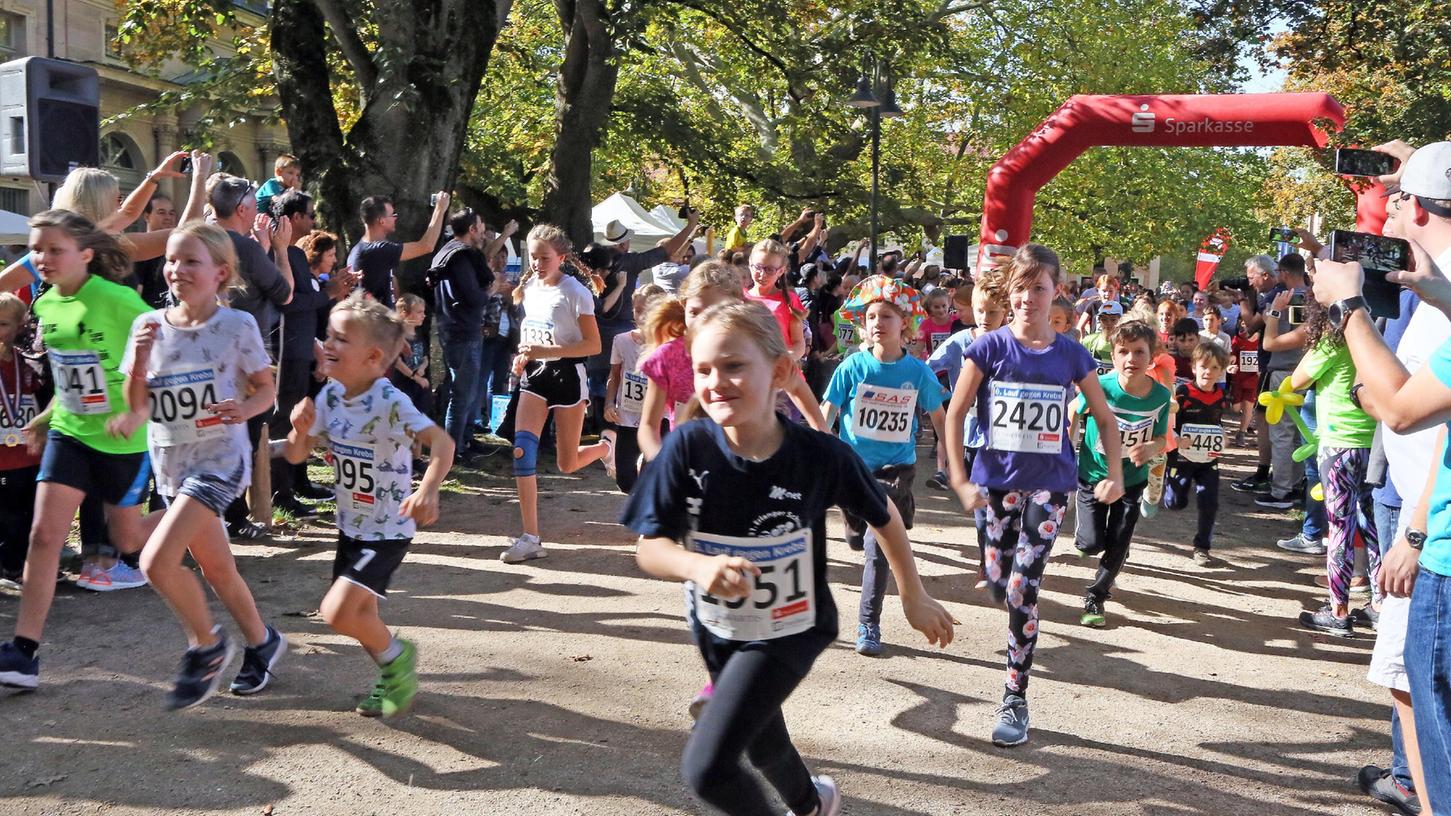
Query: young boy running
point(1142, 409)
point(370, 426)
point(1194, 465)
point(879, 394)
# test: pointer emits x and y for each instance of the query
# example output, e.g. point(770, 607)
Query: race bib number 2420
point(1027, 417)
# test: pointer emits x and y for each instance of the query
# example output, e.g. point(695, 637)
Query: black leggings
point(627, 451)
point(744, 717)
point(17, 511)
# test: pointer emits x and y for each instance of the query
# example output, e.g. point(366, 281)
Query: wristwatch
point(1275, 313)
point(1416, 538)
point(1340, 310)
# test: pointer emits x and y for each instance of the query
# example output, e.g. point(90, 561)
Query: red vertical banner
point(1210, 253)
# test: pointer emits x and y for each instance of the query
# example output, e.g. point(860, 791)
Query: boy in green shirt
point(1142, 408)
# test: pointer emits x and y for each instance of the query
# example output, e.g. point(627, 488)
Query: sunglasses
point(763, 268)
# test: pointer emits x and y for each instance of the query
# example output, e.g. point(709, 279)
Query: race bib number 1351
point(782, 599)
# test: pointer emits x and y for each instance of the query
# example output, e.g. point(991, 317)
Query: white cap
point(1428, 172)
point(1110, 307)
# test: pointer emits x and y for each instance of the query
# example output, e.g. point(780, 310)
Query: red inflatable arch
point(1227, 120)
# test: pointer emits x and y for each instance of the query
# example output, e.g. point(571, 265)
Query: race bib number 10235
point(782, 600)
point(1027, 417)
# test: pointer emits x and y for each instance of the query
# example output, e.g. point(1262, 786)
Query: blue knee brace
point(526, 453)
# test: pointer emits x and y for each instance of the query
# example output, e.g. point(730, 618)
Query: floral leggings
point(1021, 526)
point(1349, 509)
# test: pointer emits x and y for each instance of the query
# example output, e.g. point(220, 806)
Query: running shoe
point(1274, 502)
point(257, 663)
point(200, 674)
point(1239, 439)
point(10, 580)
point(937, 481)
point(1380, 785)
point(1324, 620)
point(1093, 613)
point(1366, 615)
point(608, 437)
point(88, 574)
point(1202, 557)
point(868, 640)
point(1300, 543)
point(524, 548)
point(120, 576)
point(397, 685)
point(697, 704)
point(246, 531)
point(1251, 484)
point(17, 670)
point(290, 505)
point(830, 797)
point(1012, 722)
point(312, 492)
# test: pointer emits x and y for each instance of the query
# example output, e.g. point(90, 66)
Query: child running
point(1141, 407)
point(937, 325)
point(879, 394)
point(1194, 464)
point(625, 391)
point(85, 320)
point(1020, 378)
point(199, 371)
point(558, 331)
point(369, 427)
point(735, 505)
point(1345, 432)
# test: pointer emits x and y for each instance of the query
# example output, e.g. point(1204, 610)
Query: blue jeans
point(462, 355)
point(1386, 519)
point(1313, 527)
point(1428, 667)
point(494, 363)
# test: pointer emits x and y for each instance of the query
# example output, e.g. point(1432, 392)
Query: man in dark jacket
point(462, 283)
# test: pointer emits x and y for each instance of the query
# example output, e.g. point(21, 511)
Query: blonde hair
point(1029, 263)
point(962, 295)
point(667, 318)
point(408, 302)
point(379, 323)
point(108, 259)
point(219, 246)
point(284, 161)
point(569, 263)
point(9, 302)
point(89, 192)
point(739, 318)
point(992, 284)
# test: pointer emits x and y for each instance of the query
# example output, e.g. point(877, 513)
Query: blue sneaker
point(868, 640)
point(1012, 727)
point(17, 670)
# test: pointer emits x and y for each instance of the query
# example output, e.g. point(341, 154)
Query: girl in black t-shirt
point(735, 505)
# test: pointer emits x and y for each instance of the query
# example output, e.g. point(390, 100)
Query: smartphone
point(1296, 313)
point(185, 166)
point(1283, 235)
point(433, 200)
point(1378, 255)
point(684, 211)
point(1351, 162)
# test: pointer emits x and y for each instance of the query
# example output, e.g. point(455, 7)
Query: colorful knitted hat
point(887, 290)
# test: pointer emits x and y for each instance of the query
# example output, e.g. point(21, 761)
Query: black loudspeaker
point(954, 252)
point(50, 118)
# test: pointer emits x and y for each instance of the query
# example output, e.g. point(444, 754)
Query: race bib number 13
point(782, 600)
point(1027, 417)
point(632, 392)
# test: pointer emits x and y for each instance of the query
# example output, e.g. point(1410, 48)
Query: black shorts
point(897, 481)
point(118, 479)
point(560, 383)
point(369, 564)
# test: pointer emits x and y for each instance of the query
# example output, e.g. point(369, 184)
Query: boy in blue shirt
point(878, 394)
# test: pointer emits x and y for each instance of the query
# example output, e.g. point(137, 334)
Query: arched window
point(232, 164)
point(122, 158)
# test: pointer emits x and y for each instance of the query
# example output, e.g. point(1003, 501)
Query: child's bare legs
point(352, 610)
point(55, 506)
point(190, 525)
point(569, 455)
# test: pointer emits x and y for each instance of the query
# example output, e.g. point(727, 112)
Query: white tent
point(14, 228)
point(646, 226)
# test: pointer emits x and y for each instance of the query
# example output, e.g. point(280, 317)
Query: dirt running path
point(560, 686)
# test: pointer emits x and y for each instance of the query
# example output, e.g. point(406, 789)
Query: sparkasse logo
point(1143, 120)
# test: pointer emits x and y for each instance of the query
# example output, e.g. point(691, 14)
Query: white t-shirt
point(191, 367)
point(551, 313)
point(1409, 457)
point(370, 438)
point(629, 399)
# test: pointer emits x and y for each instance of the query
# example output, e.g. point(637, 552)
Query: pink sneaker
point(89, 570)
point(701, 698)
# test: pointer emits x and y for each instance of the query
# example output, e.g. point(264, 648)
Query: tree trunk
point(581, 109)
point(425, 75)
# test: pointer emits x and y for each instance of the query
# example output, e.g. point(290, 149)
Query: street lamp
point(874, 94)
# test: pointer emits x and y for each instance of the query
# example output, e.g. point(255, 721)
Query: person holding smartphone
point(1286, 342)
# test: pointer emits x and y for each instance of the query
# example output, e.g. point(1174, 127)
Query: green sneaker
point(399, 682)
point(372, 705)
point(1093, 613)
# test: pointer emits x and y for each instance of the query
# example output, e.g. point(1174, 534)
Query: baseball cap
point(1110, 307)
point(1427, 175)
